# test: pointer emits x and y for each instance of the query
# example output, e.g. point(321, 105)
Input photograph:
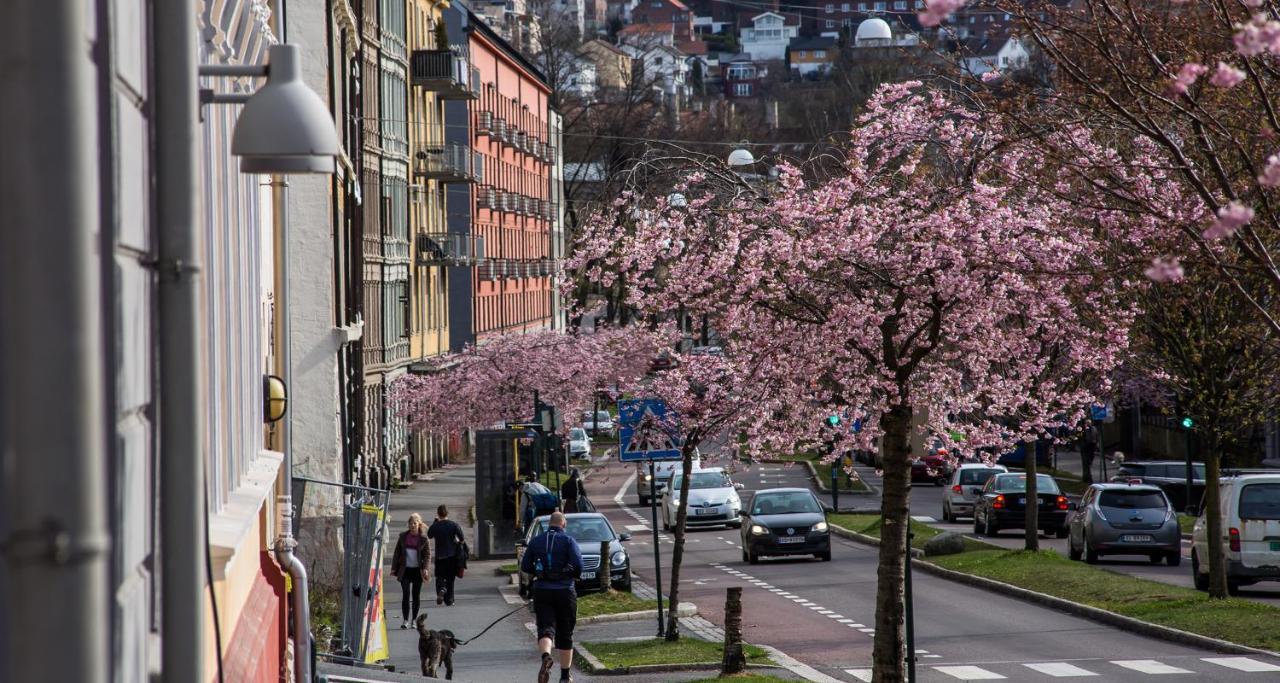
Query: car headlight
point(820, 526)
point(675, 502)
point(618, 559)
point(758, 530)
point(648, 477)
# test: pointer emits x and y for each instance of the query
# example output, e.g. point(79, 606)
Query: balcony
point(449, 249)
point(484, 123)
point(446, 72)
point(487, 198)
point(447, 163)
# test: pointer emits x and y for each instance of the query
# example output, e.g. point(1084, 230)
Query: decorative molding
point(345, 17)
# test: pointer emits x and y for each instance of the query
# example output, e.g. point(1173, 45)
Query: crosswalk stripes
point(860, 674)
point(968, 673)
point(1151, 666)
point(1059, 669)
point(1241, 664)
point(1082, 669)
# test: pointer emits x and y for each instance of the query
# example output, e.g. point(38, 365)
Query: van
point(1250, 507)
point(663, 469)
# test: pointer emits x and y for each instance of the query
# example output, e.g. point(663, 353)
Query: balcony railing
point(484, 123)
point(449, 249)
point(447, 163)
point(446, 72)
point(487, 198)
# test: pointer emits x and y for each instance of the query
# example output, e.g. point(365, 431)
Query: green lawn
point(745, 678)
point(869, 524)
point(616, 655)
point(508, 569)
point(1183, 608)
point(613, 602)
point(824, 471)
point(1186, 523)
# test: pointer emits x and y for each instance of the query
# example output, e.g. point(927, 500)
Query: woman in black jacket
point(571, 491)
point(409, 565)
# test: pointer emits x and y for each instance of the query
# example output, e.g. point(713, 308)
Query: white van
point(663, 469)
point(1251, 532)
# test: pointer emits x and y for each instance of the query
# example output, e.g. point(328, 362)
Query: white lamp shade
point(285, 127)
point(741, 157)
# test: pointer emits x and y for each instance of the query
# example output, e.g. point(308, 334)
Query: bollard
point(735, 658)
point(605, 568)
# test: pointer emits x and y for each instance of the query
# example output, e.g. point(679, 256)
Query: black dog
point(435, 648)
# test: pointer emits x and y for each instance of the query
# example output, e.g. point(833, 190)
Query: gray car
point(1124, 519)
point(965, 488)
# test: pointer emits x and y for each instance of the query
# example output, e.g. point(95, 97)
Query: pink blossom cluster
point(1270, 172)
point(1230, 218)
point(1186, 77)
point(935, 11)
point(1261, 34)
point(1226, 76)
point(1165, 269)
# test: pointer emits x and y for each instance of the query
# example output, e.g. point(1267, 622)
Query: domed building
point(873, 32)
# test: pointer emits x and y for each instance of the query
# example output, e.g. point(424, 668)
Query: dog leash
point(491, 625)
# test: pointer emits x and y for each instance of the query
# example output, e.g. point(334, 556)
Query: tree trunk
point(677, 553)
point(1032, 523)
point(1214, 533)
point(889, 654)
point(735, 658)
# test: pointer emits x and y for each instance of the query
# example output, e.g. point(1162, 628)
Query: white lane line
point(795, 599)
point(844, 620)
point(823, 610)
point(1150, 666)
point(817, 608)
point(1241, 664)
point(968, 673)
point(833, 615)
point(860, 674)
point(776, 590)
point(1059, 669)
point(866, 630)
point(637, 527)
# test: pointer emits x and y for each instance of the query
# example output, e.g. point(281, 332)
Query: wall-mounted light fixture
point(284, 126)
point(275, 398)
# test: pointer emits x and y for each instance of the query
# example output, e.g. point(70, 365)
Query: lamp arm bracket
point(233, 70)
point(172, 269)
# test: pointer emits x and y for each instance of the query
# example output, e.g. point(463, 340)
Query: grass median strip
point(1047, 572)
point(746, 678)
point(619, 655)
point(824, 471)
point(613, 602)
point(870, 526)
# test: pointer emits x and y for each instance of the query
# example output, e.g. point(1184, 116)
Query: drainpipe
point(285, 542)
point(183, 491)
point(54, 542)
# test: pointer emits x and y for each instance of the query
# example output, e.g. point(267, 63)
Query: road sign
point(644, 432)
point(1103, 413)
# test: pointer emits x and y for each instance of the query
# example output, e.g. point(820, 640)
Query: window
point(847, 22)
point(1133, 500)
point(879, 6)
point(844, 7)
point(919, 4)
point(1260, 501)
point(820, 54)
point(862, 7)
point(831, 23)
point(801, 54)
point(830, 8)
point(900, 5)
point(742, 89)
point(974, 476)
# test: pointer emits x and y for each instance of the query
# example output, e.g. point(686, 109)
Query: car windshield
point(582, 529)
point(703, 480)
point(577, 434)
point(976, 475)
point(784, 503)
point(1132, 500)
point(1260, 501)
point(602, 416)
point(1017, 483)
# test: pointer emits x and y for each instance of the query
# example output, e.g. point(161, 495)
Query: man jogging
point(448, 546)
point(555, 561)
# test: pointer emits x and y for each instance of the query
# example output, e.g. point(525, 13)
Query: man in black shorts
point(555, 561)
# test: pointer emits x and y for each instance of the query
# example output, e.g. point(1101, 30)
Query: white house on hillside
point(768, 36)
point(1002, 53)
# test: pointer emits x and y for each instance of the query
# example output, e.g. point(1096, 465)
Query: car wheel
point(1156, 558)
point(946, 513)
point(745, 556)
point(665, 525)
point(977, 528)
point(1200, 580)
point(1062, 532)
point(1090, 555)
point(643, 500)
point(752, 558)
point(990, 529)
point(1072, 551)
point(939, 481)
point(1233, 587)
point(1173, 559)
point(824, 556)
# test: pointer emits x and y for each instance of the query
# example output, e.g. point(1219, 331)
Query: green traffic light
point(1187, 423)
point(833, 420)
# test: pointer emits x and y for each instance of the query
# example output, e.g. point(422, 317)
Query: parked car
point(1003, 504)
point(1169, 475)
point(784, 522)
point(598, 422)
point(1124, 519)
point(663, 469)
point(589, 529)
point(1018, 456)
point(966, 485)
point(713, 499)
point(663, 361)
point(1250, 507)
point(933, 468)
point(579, 443)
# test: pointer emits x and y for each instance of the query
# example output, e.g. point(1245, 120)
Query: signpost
point(645, 433)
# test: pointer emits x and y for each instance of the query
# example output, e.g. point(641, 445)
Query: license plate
point(588, 575)
point(791, 539)
point(698, 512)
point(1136, 538)
point(1022, 501)
point(1275, 546)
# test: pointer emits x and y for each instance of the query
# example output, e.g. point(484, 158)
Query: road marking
point(795, 599)
point(1059, 669)
point(1150, 666)
point(776, 590)
point(637, 527)
point(1241, 664)
point(845, 620)
point(817, 608)
point(926, 519)
point(968, 673)
point(860, 674)
point(824, 610)
point(833, 615)
point(866, 630)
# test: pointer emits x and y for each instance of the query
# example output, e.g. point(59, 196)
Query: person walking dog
point(409, 565)
point(449, 544)
point(555, 561)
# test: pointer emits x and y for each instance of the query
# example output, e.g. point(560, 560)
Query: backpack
point(545, 503)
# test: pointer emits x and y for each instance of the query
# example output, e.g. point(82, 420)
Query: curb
point(595, 666)
point(685, 609)
point(819, 484)
point(1097, 614)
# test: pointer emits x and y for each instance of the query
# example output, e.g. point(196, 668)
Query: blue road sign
point(644, 432)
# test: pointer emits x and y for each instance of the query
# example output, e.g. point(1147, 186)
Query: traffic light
point(834, 420)
point(1188, 423)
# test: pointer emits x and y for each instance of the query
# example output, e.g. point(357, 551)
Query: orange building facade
point(512, 207)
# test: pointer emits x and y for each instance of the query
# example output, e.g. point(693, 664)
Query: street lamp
point(741, 159)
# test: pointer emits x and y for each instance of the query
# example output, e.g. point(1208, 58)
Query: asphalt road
point(822, 613)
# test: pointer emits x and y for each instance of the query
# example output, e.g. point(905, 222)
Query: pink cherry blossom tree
point(926, 284)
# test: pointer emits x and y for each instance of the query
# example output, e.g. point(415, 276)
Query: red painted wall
point(255, 653)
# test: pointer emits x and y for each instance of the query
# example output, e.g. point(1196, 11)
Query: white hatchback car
point(965, 488)
point(598, 422)
point(1250, 505)
point(579, 443)
point(713, 499)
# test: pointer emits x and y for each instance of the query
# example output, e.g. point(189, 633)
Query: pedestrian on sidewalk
point(409, 565)
point(555, 561)
point(571, 491)
point(448, 553)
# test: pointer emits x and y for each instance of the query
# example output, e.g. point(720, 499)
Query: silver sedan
point(1124, 519)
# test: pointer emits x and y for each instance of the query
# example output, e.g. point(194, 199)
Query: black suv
point(1169, 475)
